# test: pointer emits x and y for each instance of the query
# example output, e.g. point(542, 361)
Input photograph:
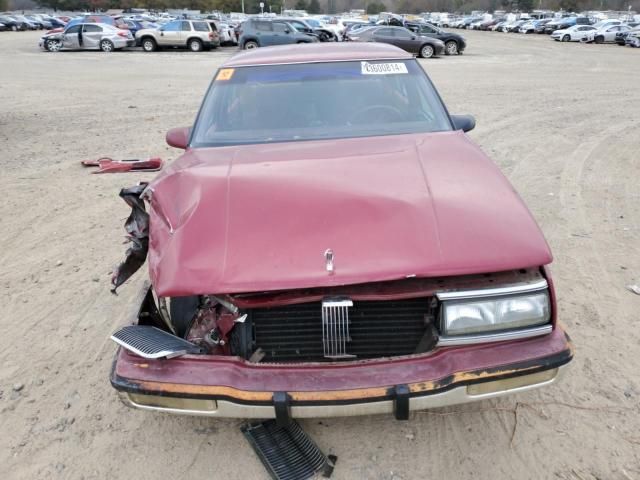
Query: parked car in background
point(425, 47)
point(3, 27)
point(135, 25)
point(196, 35)
point(453, 42)
point(261, 32)
point(41, 23)
point(533, 26)
point(30, 24)
point(438, 293)
point(606, 34)
point(87, 36)
point(633, 38)
point(621, 36)
point(303, 25)
point(576, 33)
point(13, 24)
point(540, 25)
point(514, 27)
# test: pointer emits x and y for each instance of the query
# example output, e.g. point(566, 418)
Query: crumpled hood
point(260, 217)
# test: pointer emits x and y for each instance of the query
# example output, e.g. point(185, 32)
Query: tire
point(566, 38)
point(106, 46)
point(426, 51)
point(53, 45)
point(195, 45)
point(250, 45)
point(149, 44)
point(14, 28)
point(451, 47)
point(599, 39)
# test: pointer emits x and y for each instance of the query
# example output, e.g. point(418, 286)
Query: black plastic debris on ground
point(287, 452)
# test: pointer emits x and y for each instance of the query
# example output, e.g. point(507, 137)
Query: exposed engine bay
point(359, 322)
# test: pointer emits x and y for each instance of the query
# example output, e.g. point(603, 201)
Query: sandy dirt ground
point(562, 122)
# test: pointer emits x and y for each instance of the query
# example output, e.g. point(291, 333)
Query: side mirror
point(178, 137)
point(287, 31)
point(465, 123)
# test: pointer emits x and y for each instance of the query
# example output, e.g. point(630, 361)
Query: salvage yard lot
point(562, 122)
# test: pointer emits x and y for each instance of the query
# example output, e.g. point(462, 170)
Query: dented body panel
point(260, 217)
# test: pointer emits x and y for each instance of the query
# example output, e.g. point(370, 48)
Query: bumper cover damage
point(441, 378)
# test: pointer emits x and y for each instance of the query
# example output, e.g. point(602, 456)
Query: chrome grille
point(151, 342)
point(380, 328)
point(335, 328)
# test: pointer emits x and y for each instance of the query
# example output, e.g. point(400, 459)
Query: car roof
point(317, 53)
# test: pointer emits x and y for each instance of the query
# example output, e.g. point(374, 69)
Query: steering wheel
point(371, 109)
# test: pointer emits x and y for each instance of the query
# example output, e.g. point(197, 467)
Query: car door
point(170, 33)
point(427, 31)
point(264, 33)
point(282, 33)
point(91, 35)
point(384, 35)
point(70, 37)
point(184, 33)
point(406, 40)
point(610, 33)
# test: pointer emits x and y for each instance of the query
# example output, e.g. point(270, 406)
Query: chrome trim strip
point(493, 292)
point(494, 337)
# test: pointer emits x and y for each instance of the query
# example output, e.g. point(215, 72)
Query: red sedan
point(332, 243)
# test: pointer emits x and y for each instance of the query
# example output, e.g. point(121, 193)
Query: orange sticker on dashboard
point(225, 74)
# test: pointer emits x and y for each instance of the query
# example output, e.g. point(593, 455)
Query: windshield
point(283, 103)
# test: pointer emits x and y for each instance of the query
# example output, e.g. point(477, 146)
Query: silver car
point(88, 36)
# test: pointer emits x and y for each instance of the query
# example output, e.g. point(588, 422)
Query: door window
point(262, 26)
point(172, 27)
point(385, 32)
point(403, 34)
point(92, 28)
point(185, 26)
point(74, 29)
point(280, 27)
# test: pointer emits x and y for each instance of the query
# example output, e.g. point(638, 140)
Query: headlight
point(462, 317)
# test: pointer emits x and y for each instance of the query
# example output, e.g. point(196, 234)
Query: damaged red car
point(332, 243)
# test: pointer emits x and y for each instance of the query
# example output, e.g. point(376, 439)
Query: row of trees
point(334, 6)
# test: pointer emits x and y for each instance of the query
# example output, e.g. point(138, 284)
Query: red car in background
point(332, 243)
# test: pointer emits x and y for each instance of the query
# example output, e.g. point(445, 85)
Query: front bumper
point(230, 387)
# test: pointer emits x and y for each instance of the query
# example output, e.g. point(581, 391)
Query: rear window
point(284, 103)
point(201, 26)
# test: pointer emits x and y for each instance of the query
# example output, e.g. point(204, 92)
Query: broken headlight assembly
point(471, 317)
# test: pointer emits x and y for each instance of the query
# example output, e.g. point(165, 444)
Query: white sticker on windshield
point(383, 68)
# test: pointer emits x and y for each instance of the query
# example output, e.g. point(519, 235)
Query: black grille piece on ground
point(151, 342)
point(293, 333)
point(287, 452)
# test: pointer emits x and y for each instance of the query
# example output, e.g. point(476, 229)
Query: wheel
point(566, 38)
point(195, 45)
point(426, 51)
point(149, 44)
point(53, 45)
point(14, 28)
point(106, 46)
point(451, 47)
point(250, 45)
point(599, 39)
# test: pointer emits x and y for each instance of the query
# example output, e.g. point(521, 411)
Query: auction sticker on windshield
point(383, 68)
